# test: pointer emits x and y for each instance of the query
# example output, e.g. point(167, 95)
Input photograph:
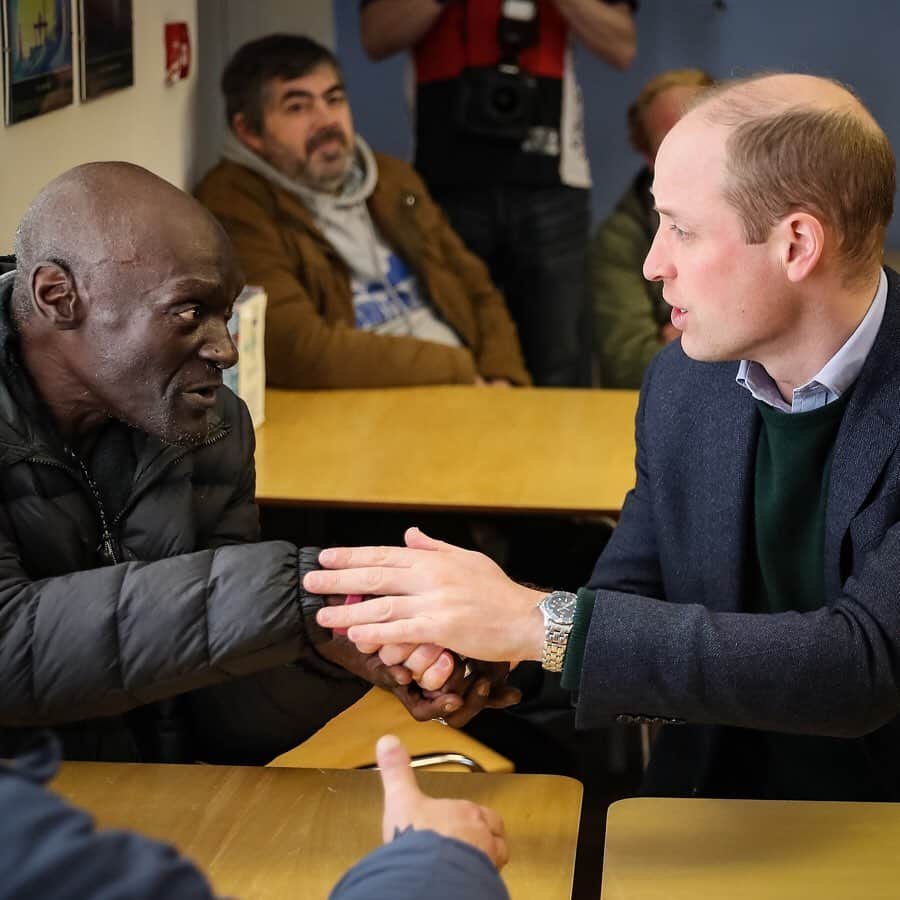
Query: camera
point(498, 101)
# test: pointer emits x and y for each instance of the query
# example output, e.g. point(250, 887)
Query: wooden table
point(286, 833)
point(522, 450)
point(658, 849)
point(348, 740)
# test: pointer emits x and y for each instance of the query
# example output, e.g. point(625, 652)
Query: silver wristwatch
point(558, 609)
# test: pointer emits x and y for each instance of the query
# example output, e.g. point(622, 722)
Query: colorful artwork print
point(39, 57)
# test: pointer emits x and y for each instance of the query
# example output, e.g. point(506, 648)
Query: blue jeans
point(534, 241)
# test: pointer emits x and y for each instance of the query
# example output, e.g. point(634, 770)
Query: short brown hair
point(832, 163)
point(637, 129)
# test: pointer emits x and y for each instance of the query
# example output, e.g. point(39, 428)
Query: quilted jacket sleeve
point(99, 642)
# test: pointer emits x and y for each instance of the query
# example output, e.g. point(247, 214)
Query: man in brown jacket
point(368, 285)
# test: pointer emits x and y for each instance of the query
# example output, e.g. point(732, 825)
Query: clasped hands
point(431, 598)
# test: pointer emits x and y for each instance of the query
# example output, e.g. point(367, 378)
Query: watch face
point(560, 606)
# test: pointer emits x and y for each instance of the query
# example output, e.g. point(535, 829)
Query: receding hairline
point(788, 143)
point(734, 102)
point(85, 209)
point(99, 214)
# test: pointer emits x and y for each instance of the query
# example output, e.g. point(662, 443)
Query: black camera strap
point(517, 29)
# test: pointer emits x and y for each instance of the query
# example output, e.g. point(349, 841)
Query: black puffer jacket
point(193, 602)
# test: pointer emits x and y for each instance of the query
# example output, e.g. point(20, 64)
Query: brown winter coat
point(311, 338)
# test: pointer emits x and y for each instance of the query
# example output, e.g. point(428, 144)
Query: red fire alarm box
point(178, 51)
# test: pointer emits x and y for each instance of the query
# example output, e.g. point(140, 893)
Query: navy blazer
point(684, 536)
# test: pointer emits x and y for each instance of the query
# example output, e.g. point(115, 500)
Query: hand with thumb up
point(405, 806)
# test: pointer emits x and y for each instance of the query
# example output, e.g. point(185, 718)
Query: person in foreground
point(748, 598)
point(49, 850)
point(139, 612)
point(368, 285)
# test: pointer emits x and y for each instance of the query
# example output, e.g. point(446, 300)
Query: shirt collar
point(835, 377)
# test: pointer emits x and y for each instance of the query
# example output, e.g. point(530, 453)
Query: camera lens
point(506, 101)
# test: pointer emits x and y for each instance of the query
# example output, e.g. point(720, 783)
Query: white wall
point(150, 123)
point(226, 24)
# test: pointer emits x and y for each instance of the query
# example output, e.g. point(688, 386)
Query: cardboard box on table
point(247, 326)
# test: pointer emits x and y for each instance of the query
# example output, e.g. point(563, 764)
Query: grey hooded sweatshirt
point(387, 296)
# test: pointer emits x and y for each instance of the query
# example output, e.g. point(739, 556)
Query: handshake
point(433, 605)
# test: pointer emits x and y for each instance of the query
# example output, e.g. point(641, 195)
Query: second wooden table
point(521, 450)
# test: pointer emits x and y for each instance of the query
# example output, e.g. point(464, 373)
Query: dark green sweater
point(793, 467)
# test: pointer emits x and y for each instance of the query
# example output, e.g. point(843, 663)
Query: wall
point(223, 26)
point(150, 123)
point(855, 42)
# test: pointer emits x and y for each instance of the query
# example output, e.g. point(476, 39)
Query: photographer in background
point(499, 141)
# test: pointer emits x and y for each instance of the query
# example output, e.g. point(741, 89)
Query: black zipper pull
point(108, 551)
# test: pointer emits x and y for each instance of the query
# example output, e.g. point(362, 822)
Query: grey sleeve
point(50, 850)
point(422, 865)
point(102, 641)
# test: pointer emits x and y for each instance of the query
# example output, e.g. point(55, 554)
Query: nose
point(657, 265)
point(323, 115)
point(219, 349)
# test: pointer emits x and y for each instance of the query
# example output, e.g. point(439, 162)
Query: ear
point(55, 295)
point(245, 134)
point(801, 244)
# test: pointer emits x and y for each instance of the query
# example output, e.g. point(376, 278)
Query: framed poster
point(38, 40)
point(107, 46)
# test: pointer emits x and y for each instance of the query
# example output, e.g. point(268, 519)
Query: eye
point(336, 99)
point(190, 314)
point(679, 233)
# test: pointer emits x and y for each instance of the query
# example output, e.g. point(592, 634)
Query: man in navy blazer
point(750, 596)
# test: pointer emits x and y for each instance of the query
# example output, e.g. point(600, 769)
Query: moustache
point(332, 133)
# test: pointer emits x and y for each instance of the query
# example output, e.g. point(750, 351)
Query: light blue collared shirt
point(833, 378)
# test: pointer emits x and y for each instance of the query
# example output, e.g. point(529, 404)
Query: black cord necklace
point(107, 546)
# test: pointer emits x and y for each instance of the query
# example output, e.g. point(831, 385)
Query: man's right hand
point(430, 592)
point(405, 806)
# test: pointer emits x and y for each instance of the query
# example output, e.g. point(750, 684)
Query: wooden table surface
point(348, 740)
point(290, 833)
point(662, 849)
point(522, 450)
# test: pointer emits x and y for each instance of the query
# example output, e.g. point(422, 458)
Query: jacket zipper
point(218, 436)
point(107, 547)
